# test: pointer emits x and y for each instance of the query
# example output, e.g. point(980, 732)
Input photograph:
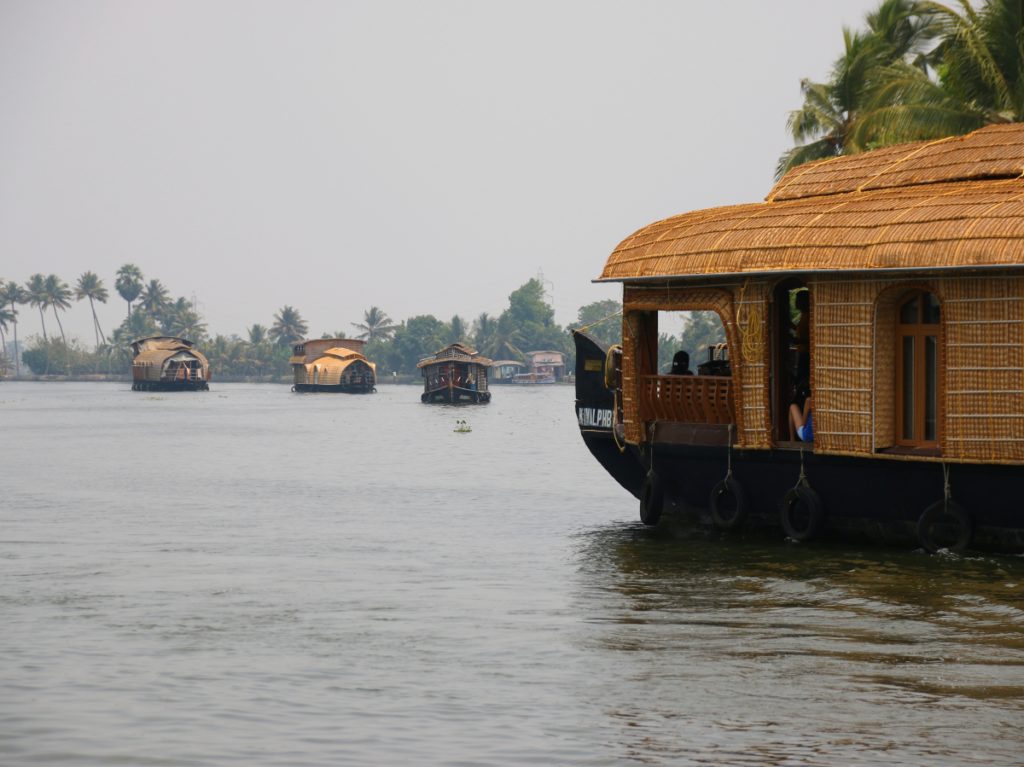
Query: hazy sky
point(424, 157)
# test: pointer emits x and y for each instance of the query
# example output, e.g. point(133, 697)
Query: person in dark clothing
point(681, 364)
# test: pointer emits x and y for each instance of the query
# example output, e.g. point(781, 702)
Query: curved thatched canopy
point(953, 203)
point(455, 353)
point(159, 350)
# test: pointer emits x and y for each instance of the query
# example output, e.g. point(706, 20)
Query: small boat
point(457, 373)
point(461, 427)
point(333, 365)
point(167, 363)
point(887, 288)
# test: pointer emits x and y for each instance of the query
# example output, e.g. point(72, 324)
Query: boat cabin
point(457, 373)
point(332, 365)
point(885, 291)
point(167, 363)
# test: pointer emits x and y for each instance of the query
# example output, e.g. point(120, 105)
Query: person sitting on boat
point(681, 364)
point(801, 421)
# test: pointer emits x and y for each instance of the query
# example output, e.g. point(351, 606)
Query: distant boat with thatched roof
point(333, 365)
point(457, 373)
point(167, 363)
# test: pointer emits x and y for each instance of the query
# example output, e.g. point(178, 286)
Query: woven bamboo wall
point(842, 365)
point(984, 371)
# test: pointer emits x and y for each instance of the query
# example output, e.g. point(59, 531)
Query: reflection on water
point(754, 652)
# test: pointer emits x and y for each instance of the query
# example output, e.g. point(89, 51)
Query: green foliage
point(607, 315)
point(920, 70)
point(414, 339)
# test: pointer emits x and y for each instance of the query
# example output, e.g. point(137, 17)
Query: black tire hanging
point(652, 499)
point(945, 525)
point(728, 504)
point(801, 513)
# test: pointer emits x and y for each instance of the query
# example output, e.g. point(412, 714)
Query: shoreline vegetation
point(262, 356)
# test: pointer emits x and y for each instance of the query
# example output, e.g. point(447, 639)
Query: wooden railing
point(686, 399)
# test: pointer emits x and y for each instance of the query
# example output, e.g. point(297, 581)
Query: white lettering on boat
point(595, 418)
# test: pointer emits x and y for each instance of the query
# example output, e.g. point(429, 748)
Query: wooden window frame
point(919, 331)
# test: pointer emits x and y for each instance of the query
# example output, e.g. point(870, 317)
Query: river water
point(248, 576)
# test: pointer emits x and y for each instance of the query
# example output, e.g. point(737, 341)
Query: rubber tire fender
point(804, 496)
point(652, 499)
point(935, 513)
point(727, 519)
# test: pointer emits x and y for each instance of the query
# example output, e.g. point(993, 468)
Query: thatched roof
point(158, 349)
point(455, 353)
point(953, 203)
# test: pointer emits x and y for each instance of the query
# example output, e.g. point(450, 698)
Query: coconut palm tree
point(181, 319)
point(899, 37)
point(257, 335)
point(483, 328)
point(58, 297)
point(6, 318)
point(35, 295)
point(90, 286)
point(376, 325)
point(978, 80)
point(154, 299)
point(129, 284)
point(288, 327)
point(12, 294)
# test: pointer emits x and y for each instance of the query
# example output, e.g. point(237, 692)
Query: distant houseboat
point(505, 371)
point(166, 363)
point(543, 367)
point(892, 283)
point(333, 365)
point(457, 373)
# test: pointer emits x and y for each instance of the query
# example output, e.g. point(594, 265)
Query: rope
point(584, 328)
point(615, 411)
point(751, 327)
point(728, 472)
point(946, 492)
point(802, 479)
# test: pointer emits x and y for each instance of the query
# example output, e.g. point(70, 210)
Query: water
point(252, 577)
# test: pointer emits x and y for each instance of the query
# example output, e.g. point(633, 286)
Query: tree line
point(526, 324)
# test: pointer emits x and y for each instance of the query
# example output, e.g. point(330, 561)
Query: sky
point(422, 157)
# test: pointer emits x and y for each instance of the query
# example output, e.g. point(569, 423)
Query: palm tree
point(154, 299)
point(129, 284)
point(257, 335)
point(35, 295)
point(181, 319)
point(979, 80)
point(456, 330)
point(12, 294)
point(6, 318)
point(830, 121)
point(58, 296)
point(376, 325)
point(288, 327)
point(90, 286)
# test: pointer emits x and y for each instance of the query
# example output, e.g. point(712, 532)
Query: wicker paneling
point(984, 376)
point(842, 365)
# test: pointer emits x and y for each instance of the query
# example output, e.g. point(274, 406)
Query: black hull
point(170, 386)
point(336, 388)
point(455, 396)
point(874, 499)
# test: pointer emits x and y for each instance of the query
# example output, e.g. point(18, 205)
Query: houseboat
point(166, 363)
point(877, 299)
point(332, 365)
point(455, 374)
point(543, 367)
